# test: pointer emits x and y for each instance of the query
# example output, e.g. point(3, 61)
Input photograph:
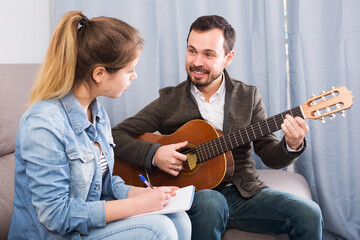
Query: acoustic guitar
point(209, 160)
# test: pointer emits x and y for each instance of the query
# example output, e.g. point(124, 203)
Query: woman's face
point(114, 84)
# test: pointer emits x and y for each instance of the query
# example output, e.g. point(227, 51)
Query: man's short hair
point(206, 23)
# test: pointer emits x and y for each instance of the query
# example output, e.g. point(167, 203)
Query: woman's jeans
point(154, 226)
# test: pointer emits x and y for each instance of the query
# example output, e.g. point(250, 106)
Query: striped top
point(104, 165)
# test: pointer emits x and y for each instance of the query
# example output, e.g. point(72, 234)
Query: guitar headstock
point(337, 100)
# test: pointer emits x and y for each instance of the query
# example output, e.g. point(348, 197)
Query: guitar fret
point(282, 116)
point(218, 144)
point(260, 129)
point(275, 122)
point(247, 134)
point(242, 140)
point(253, 131)
point(217, 150)
point(202, 153)
point(212, 150)
point(222, 150)
point(237, 144)
point(230, 142)
point(267, 126)
point(223, 143)
point(208, 150)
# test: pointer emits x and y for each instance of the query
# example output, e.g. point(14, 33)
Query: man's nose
point(198, 60)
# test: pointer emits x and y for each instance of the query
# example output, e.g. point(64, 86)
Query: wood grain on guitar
point(210, 162)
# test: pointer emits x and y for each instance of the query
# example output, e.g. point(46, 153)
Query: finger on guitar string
point(167, 157)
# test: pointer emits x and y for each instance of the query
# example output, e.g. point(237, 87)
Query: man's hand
point(295, 130)
point(168, 159)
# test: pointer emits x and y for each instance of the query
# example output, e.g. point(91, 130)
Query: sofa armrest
point(285, 181)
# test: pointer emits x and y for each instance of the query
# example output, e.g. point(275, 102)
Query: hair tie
point(84, 21)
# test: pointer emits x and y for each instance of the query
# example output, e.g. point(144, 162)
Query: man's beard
point(197, 81)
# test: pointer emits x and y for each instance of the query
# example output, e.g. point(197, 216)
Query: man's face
point(205, 57)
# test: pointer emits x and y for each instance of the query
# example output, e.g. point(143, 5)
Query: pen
point(145, 181)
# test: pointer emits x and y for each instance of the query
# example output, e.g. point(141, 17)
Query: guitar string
point(252, 132)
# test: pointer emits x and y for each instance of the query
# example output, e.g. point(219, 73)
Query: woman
point(64, 186)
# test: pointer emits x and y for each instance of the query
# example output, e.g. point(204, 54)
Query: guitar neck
point(243, 136)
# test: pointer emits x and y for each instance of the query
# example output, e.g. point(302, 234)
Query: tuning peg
point(342, 113)
point(322, 119)
point(331, 116)
point(312, 103)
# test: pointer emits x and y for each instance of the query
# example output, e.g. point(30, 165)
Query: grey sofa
point(16, 82)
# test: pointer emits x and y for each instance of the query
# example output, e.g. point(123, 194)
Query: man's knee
point(211, 203)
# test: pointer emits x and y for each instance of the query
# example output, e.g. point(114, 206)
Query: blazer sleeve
point(269, 148)
point(130, 149)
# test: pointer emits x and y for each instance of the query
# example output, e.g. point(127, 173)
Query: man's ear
point(98, 74)
point(229, 58)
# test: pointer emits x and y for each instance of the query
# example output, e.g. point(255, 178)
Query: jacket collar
point(76, 114)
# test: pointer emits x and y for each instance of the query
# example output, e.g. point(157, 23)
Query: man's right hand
point(168, 159)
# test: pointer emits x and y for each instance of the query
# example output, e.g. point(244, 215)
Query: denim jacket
point(59, 187)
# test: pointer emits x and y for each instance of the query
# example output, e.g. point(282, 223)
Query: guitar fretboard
point(243, 136)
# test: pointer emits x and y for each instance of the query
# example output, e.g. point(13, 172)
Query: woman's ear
point(98, 74)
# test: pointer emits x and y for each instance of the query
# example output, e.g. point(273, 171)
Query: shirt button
point(97, 188)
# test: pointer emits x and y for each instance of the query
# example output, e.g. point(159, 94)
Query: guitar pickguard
point(191, 167)
point(190, 172)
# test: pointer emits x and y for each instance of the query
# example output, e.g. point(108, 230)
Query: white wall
point(25, 30)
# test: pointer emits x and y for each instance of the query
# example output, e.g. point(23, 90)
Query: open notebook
point(181, 202)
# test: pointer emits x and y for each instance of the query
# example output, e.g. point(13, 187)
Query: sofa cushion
point(16, 82)
point(7, 165)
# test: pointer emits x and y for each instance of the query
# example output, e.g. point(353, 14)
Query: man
point(229, 105)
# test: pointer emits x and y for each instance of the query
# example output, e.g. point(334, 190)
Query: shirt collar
point(76, 113)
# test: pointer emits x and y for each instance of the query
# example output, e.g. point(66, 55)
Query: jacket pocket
point(82, 168)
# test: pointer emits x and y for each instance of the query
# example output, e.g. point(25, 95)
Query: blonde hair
point(75, 51)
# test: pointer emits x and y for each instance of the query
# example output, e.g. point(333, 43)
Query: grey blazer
point(176, 106)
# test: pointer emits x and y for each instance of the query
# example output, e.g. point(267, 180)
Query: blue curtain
point(324, 51)
point(164, 24)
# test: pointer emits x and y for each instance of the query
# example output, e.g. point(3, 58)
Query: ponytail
point(56, 75)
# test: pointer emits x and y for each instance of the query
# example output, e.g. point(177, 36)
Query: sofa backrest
point(16, 81)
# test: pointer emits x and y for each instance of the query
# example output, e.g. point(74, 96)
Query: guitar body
point(205, 175)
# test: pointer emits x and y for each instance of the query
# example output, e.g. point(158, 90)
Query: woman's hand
point(139, 201)
point(154, 199)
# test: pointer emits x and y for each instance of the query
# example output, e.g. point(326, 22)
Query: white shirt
point(212, 111)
